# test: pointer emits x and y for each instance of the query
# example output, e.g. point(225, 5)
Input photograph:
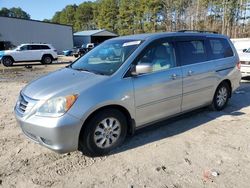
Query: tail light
point(238, 65)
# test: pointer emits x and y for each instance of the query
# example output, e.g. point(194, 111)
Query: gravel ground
point(199, 149)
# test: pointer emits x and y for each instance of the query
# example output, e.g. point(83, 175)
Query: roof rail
point(197, 31)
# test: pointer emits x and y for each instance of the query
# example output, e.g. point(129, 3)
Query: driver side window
point(160, 55)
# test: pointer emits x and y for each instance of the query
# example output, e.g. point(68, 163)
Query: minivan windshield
point(107, 57)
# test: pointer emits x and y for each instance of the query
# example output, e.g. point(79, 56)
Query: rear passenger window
point(220, 48)
point(35, 47)
point(191, 52)
point(44, 47)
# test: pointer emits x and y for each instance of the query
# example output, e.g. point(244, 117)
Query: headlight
point(56, 107)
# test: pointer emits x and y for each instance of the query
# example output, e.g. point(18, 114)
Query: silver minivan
point(124, 84)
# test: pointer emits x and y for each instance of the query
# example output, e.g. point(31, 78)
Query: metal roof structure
point(99, 32)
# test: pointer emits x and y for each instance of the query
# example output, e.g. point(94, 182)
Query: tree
point(56, 17)
point(107, 11)
point(14, 13)
point(126, 17)
point(84, 16)
point(230, 17)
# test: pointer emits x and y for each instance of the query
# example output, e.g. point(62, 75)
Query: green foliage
point(139, 16)
point(14, 13)
point(106, 14)
point(84, 16)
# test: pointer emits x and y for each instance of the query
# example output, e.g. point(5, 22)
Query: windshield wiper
point(69, 66)
point(82, 69)
point(87, 70)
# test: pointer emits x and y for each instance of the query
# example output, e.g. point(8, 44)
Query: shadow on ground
point(183, 123)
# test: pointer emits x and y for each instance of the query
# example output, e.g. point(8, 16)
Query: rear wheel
point(221, 97)
point(104, 132)
point(47, 59)
point(7, 61)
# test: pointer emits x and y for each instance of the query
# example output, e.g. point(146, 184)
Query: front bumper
point(58, 134)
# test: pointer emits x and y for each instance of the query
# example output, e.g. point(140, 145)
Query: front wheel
point(7, 61)
point(221, 97)
point(104, 132)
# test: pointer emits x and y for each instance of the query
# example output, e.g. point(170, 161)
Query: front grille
point(24, 104)
point(245, 62)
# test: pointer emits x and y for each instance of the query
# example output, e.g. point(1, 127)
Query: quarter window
point(220, 48)
point(160, 55)
point(191, 52)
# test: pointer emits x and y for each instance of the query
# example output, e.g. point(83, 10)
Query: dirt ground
point(174, 154)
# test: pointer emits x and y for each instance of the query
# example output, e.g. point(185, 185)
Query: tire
point(47, 59)
point(99, 138)
point(221, 97)
point(7, 61)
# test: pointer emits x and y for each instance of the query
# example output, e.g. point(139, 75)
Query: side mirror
point(244, 50)
point(142, 69)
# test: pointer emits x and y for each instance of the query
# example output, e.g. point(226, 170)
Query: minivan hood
point(62, 82)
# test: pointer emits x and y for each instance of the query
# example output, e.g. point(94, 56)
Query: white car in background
point(45, 53)
point(245, 62)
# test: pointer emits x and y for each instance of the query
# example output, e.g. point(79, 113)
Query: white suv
point(45, 53)
point(245, 62)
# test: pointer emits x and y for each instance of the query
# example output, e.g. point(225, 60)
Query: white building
point(19, 31)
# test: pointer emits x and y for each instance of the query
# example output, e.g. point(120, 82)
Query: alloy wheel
point(221, 97)
point(107, 132)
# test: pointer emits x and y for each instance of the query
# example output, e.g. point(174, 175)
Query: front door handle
point(190, 73)
point(174, 76)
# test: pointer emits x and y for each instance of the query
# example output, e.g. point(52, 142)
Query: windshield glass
point(106, 58)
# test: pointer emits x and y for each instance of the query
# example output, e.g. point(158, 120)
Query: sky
point(39, 9)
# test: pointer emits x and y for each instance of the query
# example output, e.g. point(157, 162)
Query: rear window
point(220, 48)
point(191, 51)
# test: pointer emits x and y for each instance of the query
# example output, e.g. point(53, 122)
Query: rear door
point(35, 53)
point(158, 94)
point(199, 76)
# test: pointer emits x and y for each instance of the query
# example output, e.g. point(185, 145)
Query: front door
point(158, 94)
point(22, 54)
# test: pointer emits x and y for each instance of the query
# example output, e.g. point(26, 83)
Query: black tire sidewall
point(88, 136)
point(215, 105)
point(7, 65)
point(47, 56)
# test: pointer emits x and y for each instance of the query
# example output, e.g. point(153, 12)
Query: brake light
point(238, 65)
